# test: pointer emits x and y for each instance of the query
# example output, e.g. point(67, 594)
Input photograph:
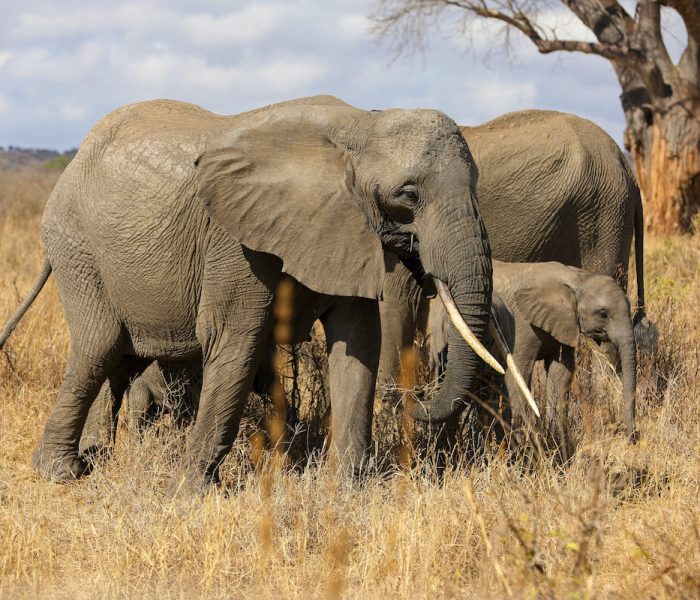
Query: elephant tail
point(19, 313)
point(646, 334)
point(639, 257)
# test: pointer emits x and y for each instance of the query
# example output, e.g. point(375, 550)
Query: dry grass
point(619, 521)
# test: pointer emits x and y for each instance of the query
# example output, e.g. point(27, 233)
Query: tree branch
point(660, 70)
point(521, 22)
point(607, 19)
point(633, 43)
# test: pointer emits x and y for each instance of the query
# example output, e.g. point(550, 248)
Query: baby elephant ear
point(280, 185)
point(551, 305)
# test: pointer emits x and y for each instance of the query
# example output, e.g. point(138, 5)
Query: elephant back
point(553, 186)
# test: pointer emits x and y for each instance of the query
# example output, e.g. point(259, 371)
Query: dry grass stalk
point(469, 491)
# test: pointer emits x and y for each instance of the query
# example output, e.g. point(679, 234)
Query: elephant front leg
point(230, 362)
point(352, 337)
point(560, 374)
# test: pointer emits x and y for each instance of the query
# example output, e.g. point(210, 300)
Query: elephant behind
point(552, 187)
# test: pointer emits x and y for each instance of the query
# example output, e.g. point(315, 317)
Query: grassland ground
point(618, 521)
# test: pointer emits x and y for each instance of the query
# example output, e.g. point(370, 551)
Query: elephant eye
point(410, 193)
point(603, 313)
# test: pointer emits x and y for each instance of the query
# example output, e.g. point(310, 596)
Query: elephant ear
point(551, 306)
point(278, 184)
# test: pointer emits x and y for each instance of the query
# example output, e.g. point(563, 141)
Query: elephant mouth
point(598, 336)
point(401, 243)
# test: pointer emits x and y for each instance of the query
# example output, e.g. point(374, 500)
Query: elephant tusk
point(463, 328)
point(502, 345)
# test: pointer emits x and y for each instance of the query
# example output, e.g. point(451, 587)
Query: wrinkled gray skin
point(170, 230)
point(551, 186)
point(541, 309)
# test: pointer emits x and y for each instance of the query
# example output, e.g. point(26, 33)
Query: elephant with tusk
point(170, 231)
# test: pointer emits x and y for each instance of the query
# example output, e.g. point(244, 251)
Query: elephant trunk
point(457, 252)
point(624, 340)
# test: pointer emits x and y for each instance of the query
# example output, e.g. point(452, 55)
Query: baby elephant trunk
point(623, 338)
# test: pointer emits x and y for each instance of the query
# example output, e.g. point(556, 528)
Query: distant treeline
point(14, 157)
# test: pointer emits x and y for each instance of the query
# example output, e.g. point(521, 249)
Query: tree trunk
point(666, 152)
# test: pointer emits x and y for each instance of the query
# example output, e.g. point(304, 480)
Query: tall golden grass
point(619, 521)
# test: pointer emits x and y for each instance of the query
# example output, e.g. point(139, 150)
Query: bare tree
point(660, 98)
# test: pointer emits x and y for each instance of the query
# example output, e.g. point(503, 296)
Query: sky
point(64, 65)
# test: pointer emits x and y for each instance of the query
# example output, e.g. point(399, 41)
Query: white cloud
point(141, 20)
point(72, 111)
point(251, 23)
point(499, 96)
point(64, 68)
point(167, 73)
point(355, 26)
point(290, 74)
point(41, 64)
point(46, 23)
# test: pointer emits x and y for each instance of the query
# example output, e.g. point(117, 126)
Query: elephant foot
point(646, 335)
point(58, 466)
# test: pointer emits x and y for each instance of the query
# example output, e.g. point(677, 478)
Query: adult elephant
point(551, 187)
point(169, 232)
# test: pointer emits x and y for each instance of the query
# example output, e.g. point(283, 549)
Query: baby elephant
point(542, 308)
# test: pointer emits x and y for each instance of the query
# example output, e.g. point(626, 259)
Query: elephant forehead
point(602, 287)
point(419, 128)
point(421, 138)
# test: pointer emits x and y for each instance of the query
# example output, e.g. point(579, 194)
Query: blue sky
point(63, 65)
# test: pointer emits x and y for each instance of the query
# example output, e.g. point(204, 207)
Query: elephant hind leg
point(142, 404)
point(96, 347)
point(57, 455)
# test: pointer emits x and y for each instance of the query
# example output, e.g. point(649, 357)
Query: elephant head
point(328, 188)
point(572, 301)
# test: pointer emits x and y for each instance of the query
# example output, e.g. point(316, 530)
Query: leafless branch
point(631, 42)
point(411, 18)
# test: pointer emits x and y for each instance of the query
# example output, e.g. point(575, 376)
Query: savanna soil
point(619, 521)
